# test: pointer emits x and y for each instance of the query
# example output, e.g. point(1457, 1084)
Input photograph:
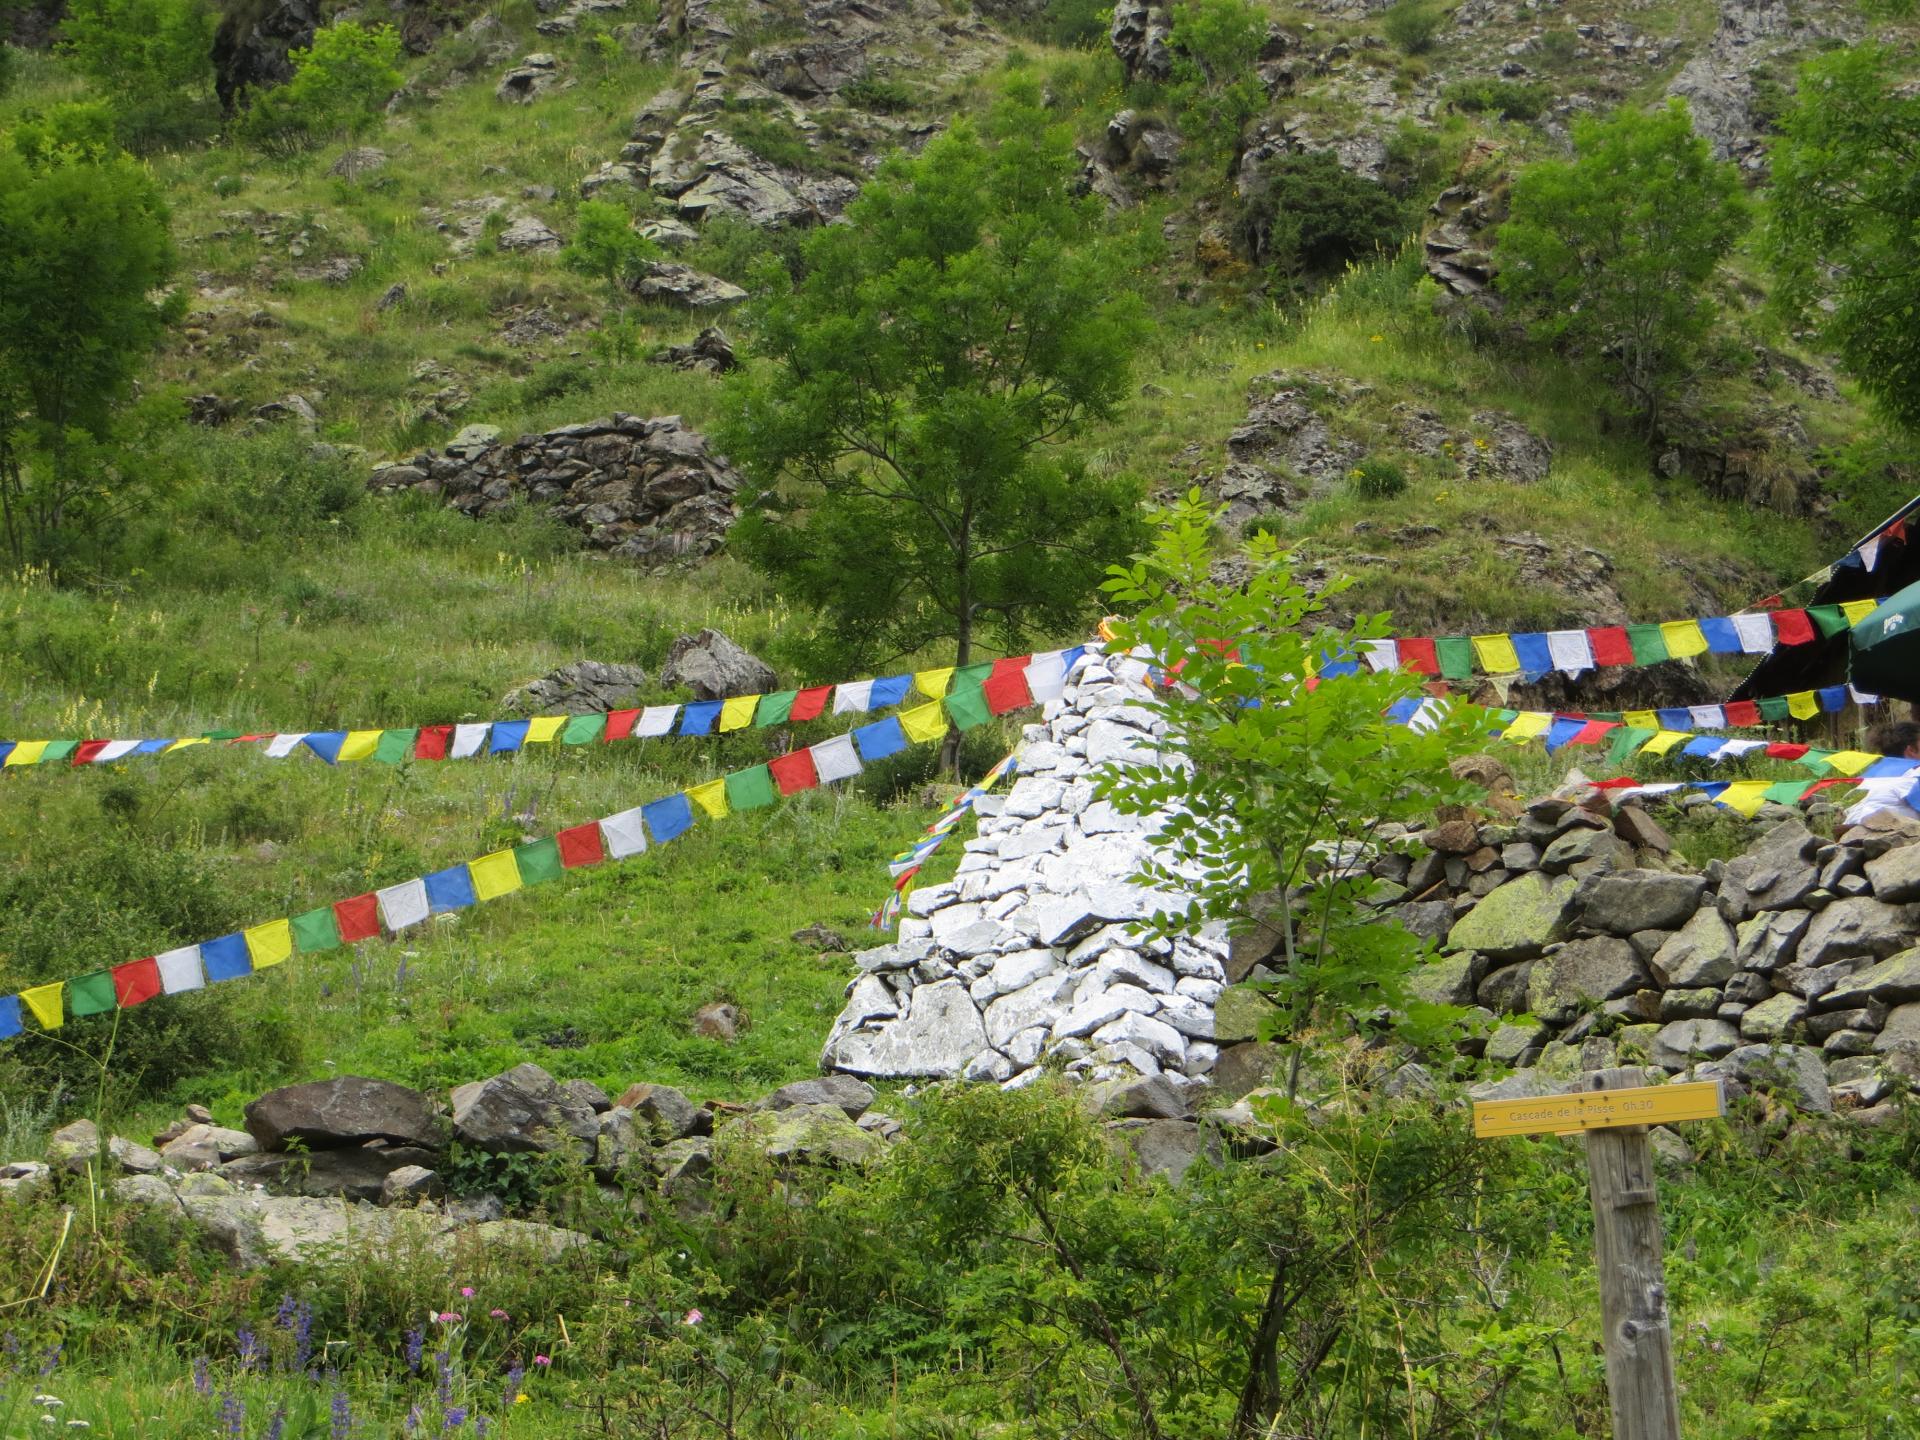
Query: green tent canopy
point(1883, 650)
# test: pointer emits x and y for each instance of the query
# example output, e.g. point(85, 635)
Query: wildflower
point(283, 1317)
point(277, 1426)
point(412, 1422)
point(448, 1317)
point(443, 1386)
point(499, 1315)
point(455, 1418)
point(340, 1413)
point(521, 1399)
point(1478, 443)
point(480, 1426)
point(694, 1317)
point(233, 1414)
point(88, 1425)
point(48, 1420)
point(249, 1348)
point(513, 1395)
point(466, 1292)
point(52, 1402)
point(416, 1343)
point(202, 1376)
point(49, 1360)
point(543, 1359)
point(1373, 339)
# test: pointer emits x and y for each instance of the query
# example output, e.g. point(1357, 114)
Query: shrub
point(768, 135)
point(1305, 214)
point(1412, 25)
point(339, 85)
point(606, 246)
point(1077, 23)
point(1507, 99)
point(1215, 87)
point(1378, 479)
point(879, 94)
point(152, 59)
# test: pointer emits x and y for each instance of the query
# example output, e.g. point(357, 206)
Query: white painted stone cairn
point(1029, 953)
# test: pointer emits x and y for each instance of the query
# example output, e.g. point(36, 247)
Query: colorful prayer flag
point(494, 875)
point(136, 982)
point(538, 861)
point(91, 994)
point(580, 846)
point(44, 1002)
point(269, 944)
point(711, 798)
point(736, 712)
point(624, 834)
point(750, 789)
point(1496, 654)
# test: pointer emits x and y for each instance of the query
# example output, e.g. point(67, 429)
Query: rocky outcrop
point(646, 490)
point(348, 1111)
point(683, 287)
point(714, 668)
point(586, 687)
point(1141, 35)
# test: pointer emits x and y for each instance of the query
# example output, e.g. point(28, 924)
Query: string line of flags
point(908, 863)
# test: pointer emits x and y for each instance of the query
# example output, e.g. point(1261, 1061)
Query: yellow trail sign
point(1599, 1109)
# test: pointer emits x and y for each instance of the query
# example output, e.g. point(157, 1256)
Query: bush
point(1412, 25)
point(1507, 99)
point(340, 84)
point(1215, 88)
point(878, 94)
point(1077, 23)
point(1378, 479)
point(606, 246)
point(1305, 214)
point(152, 59)
point(278, 485)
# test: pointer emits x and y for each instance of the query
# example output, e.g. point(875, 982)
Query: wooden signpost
point(1613, 1111)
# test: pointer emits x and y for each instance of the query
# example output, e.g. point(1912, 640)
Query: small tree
point(605, 245)
point(152, 59)
point(1215, 87)
point(84, 254)
point(921, 378)
point(340, 84)
point(1412, 25)
point(1285, 777)
point(1609, 254)
point(1308, 214)
point(1845, 212)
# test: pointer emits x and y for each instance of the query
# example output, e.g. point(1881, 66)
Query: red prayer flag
point(84, 752)
point(358, 918)
point(1618, 783)
point(1593, 732)
point(794, 771)
point(431, 743)
point(135, 982)
point(810, 704)
point(1817, 786)
point(1741, 712)
point(581, 846)
point(1418, 655)
point(620, 724)
point(1006, 690)
point(1896, 531)
point(1786, 752)
point(1792, 627)
point(1610, 645)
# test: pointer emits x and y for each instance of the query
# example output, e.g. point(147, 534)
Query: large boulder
point(1776, 874)
point(806, 1134)
point(1856, 928)
point(1700, 953)
point(851, 1095)
point(714, 668)
point(1895, 876)
point(1796, 1070)
point(1894, 981)
point(667, 283)
point(586, 687)
point(666, 1111)
point(1625, 902)
point(522, 1111)
point(354, 1174)
point(1581, 975)
point(347, 1110)
point(1519, 920)
point(938, 1035)
point(1770, 940)
point(1680, 1042)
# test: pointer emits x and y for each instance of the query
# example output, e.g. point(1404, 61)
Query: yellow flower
point(1374, 338)
point(1478, 443)
point(521, 1398)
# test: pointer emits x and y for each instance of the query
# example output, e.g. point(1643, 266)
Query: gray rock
point(1579, 845)
point(1519, 920)
point(74, 1147)
point(1512, 1042)
point(940, 1033)
point(531, 235)
point(1769, 941)
point(1244, 1067)
point(1680, 1042)
point(714, 668)
point(1773, 1019)
point(1505, 991)
point(1901, 1032)
point(808, 1135)
point(410, 1184)
point(1444, 980)
point(1626, 901)
point(586, 1093)
point(1162, 1146)
point(355, 1174)
point(667, 283)
point(1700, 953)
point(27, 1179)
point(201, 1147)
point(347, 1110)
point(586, 687)
point(665, 1112)
point(522, 1111)
point(1689, 1004)
point(1894, 981)
point(1580, 975)
point(1793, 1069)
point(1776, 874)
point(1858, 927)
point(851, 1095)
point(1153, 1097)
point(358, 161)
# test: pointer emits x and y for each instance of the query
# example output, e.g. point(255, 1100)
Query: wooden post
point(1633, 1286)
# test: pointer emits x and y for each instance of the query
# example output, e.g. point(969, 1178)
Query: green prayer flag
point(774, 709)
point(1774, 709)
point(538, 860)
point(971, 675)
point(1816, 760)
point(1626, 740)
point(1830, 619)
point(393, 746)
point(58, 750)
point(750, 789)
point(583, 730)
point(223, 734)
point(92, 994)
point(1455, 654)
point(1506, 717)
point(967, 706)
point(315, 931)
point(1786, 792)
point(1649, 645)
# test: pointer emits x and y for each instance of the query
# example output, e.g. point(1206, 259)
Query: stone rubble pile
point(649, 490)
point(1026, 956)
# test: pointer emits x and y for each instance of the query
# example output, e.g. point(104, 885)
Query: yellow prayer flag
point(1858, 610)
point(359, 745)
point(270, 943)
point(1803, 705)
point(28, 752)
point(545, 729)
point(737, 713)
point(1850, 762)
point(1528, 725)
point(1745, 796)
point(933, 683)
point(924, 722)
point(44, 1001)
point(186, 744)
point(1683, 638)
point(1665, 741)
point(711, 797)
point(494, 875)
point(1496, 654)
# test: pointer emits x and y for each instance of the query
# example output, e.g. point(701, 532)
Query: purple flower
point(443, 1386)
point(283, 1317)
point(48, 1361)
point(249, 1348)
point(340, 1413)
point(454, 1418)
point(303, 1336)
point(514, 1377)
point(202, 1376)
point(416, 1343)
point(412, 1422)
point(278, 1424)
point(233, 1414)
point(480, 1426)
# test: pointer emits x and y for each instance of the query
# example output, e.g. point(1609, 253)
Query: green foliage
point(605, 245)
point(1412, 25)
point(340, 84)
point(153, 59)
point(878, 93)
point(1608, 255)
point(1378, 479)
point(769, 134)
point(1077, 23)
point(1281, 777)
point(1843, 216)
point(9, 68)
point(924, 370)
point(1215, 88)
point(1508, 99)
point(85, 251)
point(1309, 215)
point(82, 127)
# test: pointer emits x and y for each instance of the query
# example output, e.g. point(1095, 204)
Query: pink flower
point(448, 1317)
point(466, 1292)
point(543, 1359)
point(497, 1314)
point(694, 1317)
